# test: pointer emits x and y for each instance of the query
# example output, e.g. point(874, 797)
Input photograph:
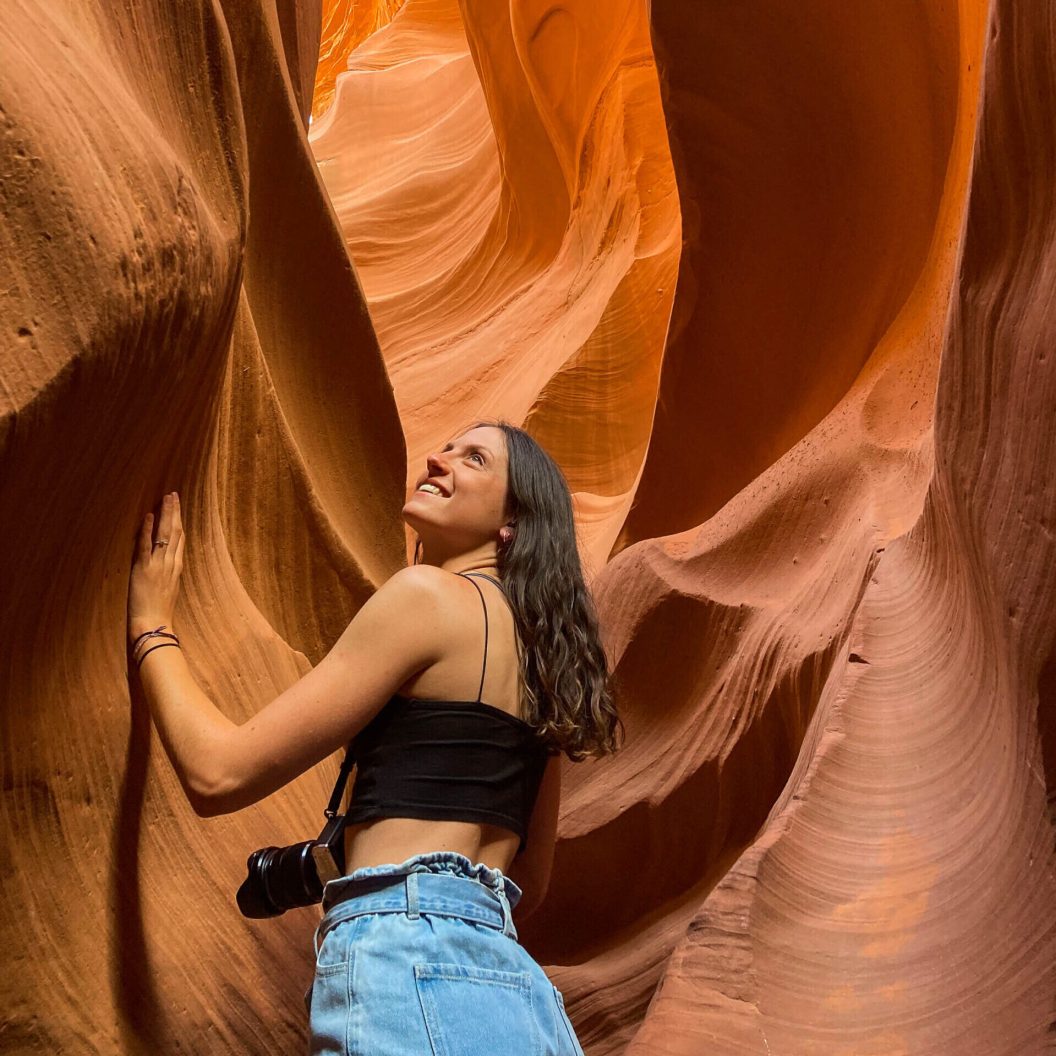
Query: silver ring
point(161, 542)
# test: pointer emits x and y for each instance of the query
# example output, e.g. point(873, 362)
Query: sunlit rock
point(773, 285)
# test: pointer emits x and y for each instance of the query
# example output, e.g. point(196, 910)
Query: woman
point(460, 682)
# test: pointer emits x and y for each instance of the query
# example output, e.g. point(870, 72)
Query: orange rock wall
point(778, 300)
point(505, 187)
point(179, 313)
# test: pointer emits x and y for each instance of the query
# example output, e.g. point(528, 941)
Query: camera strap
point(339, 786)
point(328, 851)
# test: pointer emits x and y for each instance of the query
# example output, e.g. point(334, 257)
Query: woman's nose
point(435, 465)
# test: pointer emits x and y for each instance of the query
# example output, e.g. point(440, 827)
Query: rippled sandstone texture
point(818, 504)
point(504, 182)
point(179, 312)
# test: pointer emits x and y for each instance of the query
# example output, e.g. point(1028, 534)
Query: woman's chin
point(417, 519)
point(413, 504)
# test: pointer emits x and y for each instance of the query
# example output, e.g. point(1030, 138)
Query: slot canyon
point(776, 286)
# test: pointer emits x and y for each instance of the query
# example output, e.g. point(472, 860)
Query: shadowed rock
point(796, 360)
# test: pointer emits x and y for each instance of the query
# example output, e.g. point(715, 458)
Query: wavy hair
point(564, 671)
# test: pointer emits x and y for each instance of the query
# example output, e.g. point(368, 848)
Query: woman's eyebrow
point(469, 447)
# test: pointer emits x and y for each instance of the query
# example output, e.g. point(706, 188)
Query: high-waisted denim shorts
point(423, 958)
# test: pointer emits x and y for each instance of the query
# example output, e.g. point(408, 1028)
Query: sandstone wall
point(775, 287)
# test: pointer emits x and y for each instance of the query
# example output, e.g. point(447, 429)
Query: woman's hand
point(155, 580)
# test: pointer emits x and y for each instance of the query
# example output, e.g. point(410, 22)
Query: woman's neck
point(483, 560)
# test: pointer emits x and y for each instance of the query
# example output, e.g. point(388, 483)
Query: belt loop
point(412, 896)
point(507, 919)
point(507, 913)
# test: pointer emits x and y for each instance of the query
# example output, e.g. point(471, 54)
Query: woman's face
point(459, 499)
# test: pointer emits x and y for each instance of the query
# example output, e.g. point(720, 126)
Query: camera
point(282, 878)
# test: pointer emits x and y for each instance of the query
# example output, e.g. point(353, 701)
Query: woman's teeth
point(431, 488)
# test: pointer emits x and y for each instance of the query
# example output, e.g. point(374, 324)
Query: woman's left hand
point(155, 580)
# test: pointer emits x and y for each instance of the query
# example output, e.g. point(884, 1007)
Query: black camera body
point(282, 878)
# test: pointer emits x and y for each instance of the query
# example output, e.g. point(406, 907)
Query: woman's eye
point(478, 456)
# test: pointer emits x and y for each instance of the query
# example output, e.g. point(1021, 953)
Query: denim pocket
point(329, 998)
point(577, 1049)
point(333, 952)
point(471, 1011)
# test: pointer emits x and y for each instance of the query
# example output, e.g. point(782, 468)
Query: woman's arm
point(224, 766)
point(530, 870)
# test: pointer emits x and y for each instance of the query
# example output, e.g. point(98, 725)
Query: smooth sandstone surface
point(774, 284)
point(504, 183)
point(179, 312)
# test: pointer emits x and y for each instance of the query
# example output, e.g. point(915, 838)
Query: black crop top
point(448, 760)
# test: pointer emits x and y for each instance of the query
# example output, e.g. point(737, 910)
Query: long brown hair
point(564, 672)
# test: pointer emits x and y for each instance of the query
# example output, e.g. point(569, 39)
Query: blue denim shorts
point(423, 958)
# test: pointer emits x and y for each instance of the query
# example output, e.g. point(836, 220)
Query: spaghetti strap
point(484, 666)
point(491, 579)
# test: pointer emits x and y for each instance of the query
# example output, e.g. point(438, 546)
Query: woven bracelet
point(162, 645)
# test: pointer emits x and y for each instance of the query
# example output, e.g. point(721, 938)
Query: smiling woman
point(457, 687)
point(460, 502)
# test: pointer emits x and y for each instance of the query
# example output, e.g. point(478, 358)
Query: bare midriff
point(394, 840)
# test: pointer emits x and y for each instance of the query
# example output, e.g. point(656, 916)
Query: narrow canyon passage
point(772, 285)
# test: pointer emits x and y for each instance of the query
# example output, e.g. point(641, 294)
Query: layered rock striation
point(179, 312)
point(774, 287)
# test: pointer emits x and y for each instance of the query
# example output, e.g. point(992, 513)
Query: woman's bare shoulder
point(419, 586)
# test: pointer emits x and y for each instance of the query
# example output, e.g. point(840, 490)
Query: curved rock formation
point(504, 183)
point(849, 648)
point(179, 313)
point(818, 504)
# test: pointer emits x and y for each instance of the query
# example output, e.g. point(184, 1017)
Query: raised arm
point(223, 766)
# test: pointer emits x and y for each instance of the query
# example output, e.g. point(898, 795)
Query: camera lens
point(278, 879)
point(291, 876)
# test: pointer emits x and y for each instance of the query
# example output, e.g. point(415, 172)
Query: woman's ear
point(506, 534)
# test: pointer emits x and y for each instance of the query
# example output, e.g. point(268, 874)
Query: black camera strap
point(347, 763)
point(328, 850)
